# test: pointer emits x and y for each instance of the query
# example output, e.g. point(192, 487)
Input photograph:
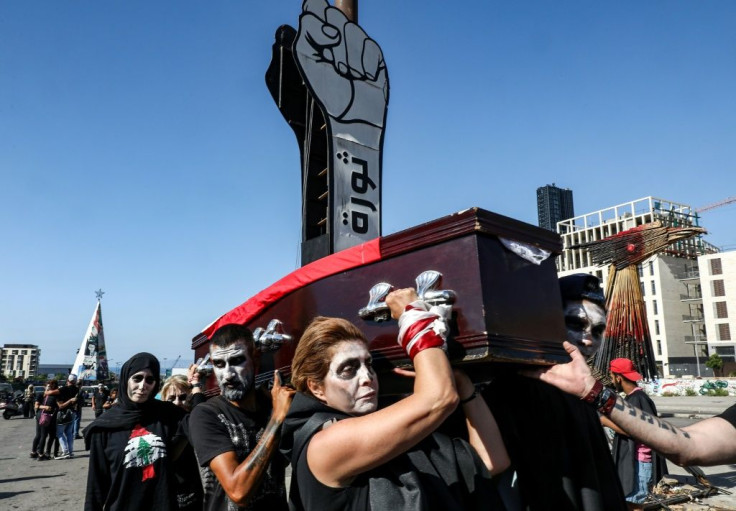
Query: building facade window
point(651, 268)
point(654, 288)
point(643, 292)
point(654, 307)
point(724, 332)
point(726, 352)
point(656, 327)
point(719, 289)
point(659, 347)
point(716, 268)
point(721, 310)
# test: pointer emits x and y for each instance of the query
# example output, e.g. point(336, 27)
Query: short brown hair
point(314, 351)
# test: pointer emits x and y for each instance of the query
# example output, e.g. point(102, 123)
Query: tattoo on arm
point(622, 405)
point(264, 448)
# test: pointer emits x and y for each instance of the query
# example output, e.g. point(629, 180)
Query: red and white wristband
point(421, 328)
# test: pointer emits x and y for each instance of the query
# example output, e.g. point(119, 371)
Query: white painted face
point(234, 369)
point(586, 323)
point(350, 385)
point(140, 386)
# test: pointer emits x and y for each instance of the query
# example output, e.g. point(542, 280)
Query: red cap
point(625, 368)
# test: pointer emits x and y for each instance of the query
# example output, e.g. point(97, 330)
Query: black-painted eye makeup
point(139, 378)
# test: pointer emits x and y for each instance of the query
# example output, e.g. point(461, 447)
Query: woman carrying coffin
point(346, 454)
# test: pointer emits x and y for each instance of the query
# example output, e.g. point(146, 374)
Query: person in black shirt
point(67, 401)
point(348, 454)
point(98, 399)
point(235, 435)
point(134, 445)
point(47, 424)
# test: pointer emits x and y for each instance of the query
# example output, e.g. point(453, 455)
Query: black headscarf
point(126, 414)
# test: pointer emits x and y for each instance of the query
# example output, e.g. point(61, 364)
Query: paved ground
point(27, 484)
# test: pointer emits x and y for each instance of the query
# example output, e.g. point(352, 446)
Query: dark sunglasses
point(180, 397)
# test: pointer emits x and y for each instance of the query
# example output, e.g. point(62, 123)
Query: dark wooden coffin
point(507, 311)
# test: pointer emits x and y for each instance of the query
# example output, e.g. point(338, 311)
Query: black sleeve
point(729, 415)
point(198, 399)
point(98, 474)
point(208, 435)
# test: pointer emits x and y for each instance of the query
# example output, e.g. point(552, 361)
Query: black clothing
point(439, 473)
point(729, 415)
point(216, 427)
point(131, 448)
point(624, 448)
point(557, 447)
point(131, 469)
point(100, 396)
point(128, 413)
point(48, 432)
point(66, 393)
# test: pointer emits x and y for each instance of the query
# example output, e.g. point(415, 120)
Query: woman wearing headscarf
point(134, 444)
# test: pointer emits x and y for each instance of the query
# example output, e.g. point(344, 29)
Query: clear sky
point(141, 152)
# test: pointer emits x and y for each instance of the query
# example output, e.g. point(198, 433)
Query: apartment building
point(19, 360)
point(717, 274)
point(669, 280)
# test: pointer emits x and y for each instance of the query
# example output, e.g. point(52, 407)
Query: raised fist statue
point(343, 67)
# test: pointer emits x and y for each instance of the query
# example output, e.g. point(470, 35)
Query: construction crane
point(716, 204)
point(175, 361)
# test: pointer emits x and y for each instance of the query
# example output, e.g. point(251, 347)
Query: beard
point(237, 389)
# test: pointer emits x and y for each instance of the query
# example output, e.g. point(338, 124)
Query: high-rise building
point(19, 360)
point(553, 205)
point(670, 281)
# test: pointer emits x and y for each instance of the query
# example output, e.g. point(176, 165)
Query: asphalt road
point(27, 484)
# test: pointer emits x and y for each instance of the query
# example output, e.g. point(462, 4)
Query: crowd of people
point(231, 451)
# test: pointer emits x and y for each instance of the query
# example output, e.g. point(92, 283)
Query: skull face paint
point(586, 323)
point(140, 386)
point(234, 369)
point(350, 385)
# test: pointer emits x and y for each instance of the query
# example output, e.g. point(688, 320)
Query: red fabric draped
point(368, 252)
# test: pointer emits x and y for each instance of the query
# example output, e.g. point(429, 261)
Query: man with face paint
point(557, 445)
point(584, 308)
point(236, 434)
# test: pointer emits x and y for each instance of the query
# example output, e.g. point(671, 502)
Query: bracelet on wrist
point(591, 397)
point(606, 401)
point(196, 385)
point(470, 397)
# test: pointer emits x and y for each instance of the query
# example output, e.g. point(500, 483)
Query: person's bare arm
point(605, 421)
point(239, 480)
point(708, 442)
point(483, 432)
point(338, 454)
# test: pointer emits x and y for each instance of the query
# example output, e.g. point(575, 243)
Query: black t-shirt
point(100, 397)
point(217, 427)
point(729, 415)
point(67, 392)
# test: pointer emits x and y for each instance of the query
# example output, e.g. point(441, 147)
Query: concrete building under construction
point(670, 280)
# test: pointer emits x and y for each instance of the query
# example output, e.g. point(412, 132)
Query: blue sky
point(141, 152)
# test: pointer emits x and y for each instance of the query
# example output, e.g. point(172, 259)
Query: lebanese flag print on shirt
point(143, 450)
